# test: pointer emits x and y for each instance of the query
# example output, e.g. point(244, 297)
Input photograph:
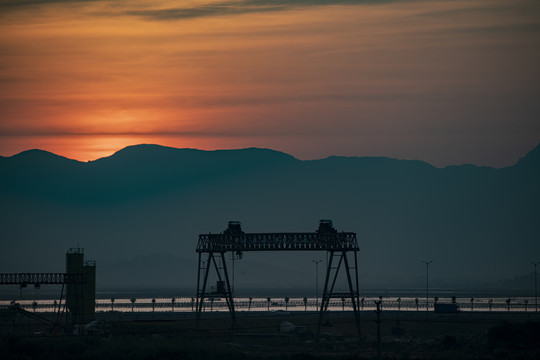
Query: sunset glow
point(443, 81)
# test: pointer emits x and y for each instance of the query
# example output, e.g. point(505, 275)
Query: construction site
point(215, 324)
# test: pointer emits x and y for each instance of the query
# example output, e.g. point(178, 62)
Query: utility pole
point(535, 286)
point(427, 283)
point(316, 282)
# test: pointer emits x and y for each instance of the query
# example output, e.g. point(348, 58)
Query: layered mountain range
point(139, 213)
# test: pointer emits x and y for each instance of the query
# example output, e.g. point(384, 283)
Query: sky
point(447, 82)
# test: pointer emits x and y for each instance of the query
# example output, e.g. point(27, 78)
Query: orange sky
point(447, 82)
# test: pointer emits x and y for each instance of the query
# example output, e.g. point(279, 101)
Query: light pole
point(427, 283)
point(316, 282)
point(535, 293)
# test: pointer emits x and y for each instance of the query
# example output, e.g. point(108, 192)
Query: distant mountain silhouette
point(476, 223)
point(531, 159)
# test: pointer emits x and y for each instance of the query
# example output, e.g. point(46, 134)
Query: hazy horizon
point(478, 224)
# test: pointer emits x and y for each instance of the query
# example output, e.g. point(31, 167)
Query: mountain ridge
point(131, 150)
point(404, 211)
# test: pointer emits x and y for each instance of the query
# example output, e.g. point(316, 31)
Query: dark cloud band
point(241, 7)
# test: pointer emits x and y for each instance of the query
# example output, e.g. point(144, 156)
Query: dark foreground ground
point(405, 335)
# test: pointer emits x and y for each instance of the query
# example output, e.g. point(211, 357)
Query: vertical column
point(230, 299)
point(201, 295)
point(353, 293)
point(74, 288)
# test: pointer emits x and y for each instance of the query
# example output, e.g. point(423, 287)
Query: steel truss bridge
point(212, 248)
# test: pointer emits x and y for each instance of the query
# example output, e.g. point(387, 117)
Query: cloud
point(240, 7)
point(23, 3)
point(232, 130)
point(242, 99)
point(156, 10)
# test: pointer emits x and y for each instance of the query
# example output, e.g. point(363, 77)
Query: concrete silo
point(80, 296)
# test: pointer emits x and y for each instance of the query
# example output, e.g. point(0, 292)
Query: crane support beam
point(41, 279)
point(278, 242)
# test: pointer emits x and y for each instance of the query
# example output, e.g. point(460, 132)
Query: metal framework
point(212, 248)
point(41, 279)
point(38, 279)
point(278, 241)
